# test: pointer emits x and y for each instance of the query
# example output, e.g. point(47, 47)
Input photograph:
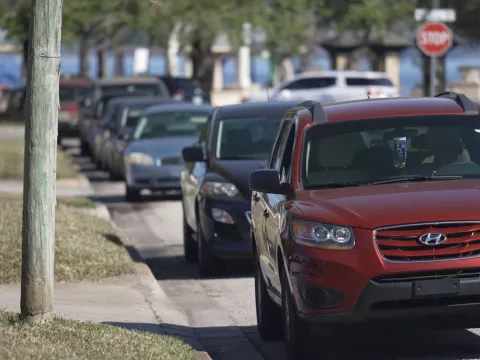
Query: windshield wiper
point(336, 185)
point(416, 178)
point(241, 158)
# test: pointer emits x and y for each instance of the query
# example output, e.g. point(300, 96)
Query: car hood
point(238, 172)
point(375, 206)
point(169, 146)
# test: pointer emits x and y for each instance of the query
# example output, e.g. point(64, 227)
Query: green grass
point(86, 247)
point(11, 161)
point(68, 339)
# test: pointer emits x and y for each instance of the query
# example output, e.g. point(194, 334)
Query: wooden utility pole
point(41, 128)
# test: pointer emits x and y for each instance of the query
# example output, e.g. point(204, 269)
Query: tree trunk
point(203, 61)
point(83, 51)
point(39, 192)
point(101, 64)
point(25, 60)
point(119, 62)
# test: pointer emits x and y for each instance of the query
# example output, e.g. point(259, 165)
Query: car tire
point(269, 314)
point(208, 264)
point(132, 195)
point(190, 246)
point(294, 331)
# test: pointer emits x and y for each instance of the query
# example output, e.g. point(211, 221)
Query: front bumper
point(228, 240)
point(153, 178)
point(358, 286)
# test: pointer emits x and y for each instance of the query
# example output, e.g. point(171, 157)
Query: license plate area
point(436, 287)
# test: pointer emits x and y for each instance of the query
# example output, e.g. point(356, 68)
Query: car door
point(192, 175)
point(275, 203)
point(268, 206)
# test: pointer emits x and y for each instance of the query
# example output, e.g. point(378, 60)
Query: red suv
point(369, 211)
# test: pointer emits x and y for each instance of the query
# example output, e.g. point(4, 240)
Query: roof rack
point(467, 105)
point(317, 111)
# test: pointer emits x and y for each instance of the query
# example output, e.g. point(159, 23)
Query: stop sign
point(434, 39)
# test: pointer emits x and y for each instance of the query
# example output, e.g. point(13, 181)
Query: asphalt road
point(221, 312)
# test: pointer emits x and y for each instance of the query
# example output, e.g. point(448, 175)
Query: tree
point(92, 22)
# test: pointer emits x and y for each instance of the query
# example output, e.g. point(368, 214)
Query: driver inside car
point(446, 146)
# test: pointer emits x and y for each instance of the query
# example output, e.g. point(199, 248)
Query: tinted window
point(357, 81)
point(150, 89)
point(247, 137)
point(167, 124)
point(131, 115)
point(73, 93)
point(372, 150)
point(312, 83)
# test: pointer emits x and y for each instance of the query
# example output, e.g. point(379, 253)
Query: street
point(220, 313)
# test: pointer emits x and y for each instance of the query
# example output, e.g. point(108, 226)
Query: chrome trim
point(420, 224)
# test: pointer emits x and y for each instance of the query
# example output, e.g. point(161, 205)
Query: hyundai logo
point(432, 239)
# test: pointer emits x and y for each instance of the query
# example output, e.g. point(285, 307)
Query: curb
point(147, 279)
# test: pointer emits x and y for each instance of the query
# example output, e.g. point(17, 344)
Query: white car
point(332, 86)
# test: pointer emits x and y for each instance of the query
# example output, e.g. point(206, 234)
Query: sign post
point(434, 39)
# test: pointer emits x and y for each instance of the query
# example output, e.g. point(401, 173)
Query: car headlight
point(221, 189)
point(323, 236)
point(139, 158)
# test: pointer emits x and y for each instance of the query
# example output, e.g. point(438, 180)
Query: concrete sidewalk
point(134, 301)
point(65, 187)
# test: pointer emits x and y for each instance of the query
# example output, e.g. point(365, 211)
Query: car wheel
point(294, 331)
point(132, 195)
point(208, 264)
point(269, 314)
point(190, 246)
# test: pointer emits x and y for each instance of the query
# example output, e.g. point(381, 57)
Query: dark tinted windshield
point(150, 89)
point(73, 93)
point(247, 137)
point(358, 81)
point(131, 115)
point(373, 150)
point(167, 124)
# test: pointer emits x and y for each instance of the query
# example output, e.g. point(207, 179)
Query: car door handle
point(265, 213)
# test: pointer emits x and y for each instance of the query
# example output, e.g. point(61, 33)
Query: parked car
point(331, 86)
point(368, 212)
point(153, 158)
point(71, 93)
point(185, 89)
point(88, 126)
point(235, 142)
point(148, 85)
point(119, 127)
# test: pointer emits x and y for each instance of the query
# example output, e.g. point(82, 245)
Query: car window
point(372, 150)
point(312, 83)
point(131, 116)
point(281, 146)
point(246, 137)
point(73, 93)
point(286, 158)
point(150, 89)
point(168, 124)
point(359, 81)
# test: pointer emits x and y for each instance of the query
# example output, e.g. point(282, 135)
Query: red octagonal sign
point(434, 39)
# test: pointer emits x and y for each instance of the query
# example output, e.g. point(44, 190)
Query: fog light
point(222, 216)
point(319, 297)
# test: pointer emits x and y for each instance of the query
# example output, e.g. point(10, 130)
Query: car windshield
point(247, 137)
point(168, 124)
point(131, 115)
point(370, 152)
point(73, 93)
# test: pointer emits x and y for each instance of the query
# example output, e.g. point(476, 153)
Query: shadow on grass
point(225, 342)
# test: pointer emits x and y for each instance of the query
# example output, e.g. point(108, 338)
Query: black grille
point(431, 275)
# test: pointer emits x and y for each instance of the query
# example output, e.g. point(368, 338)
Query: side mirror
point(266, 181)
point(192, 154)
